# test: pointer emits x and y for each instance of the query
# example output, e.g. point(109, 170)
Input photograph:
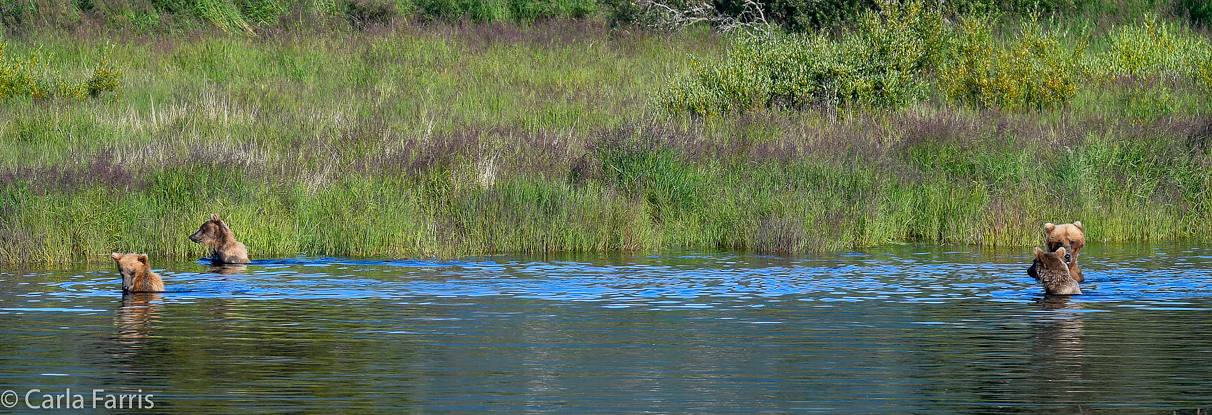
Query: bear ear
point(117, 256)
point(1049, 227)
point(1039, 253)
point(143, 258)
point(214, 217)
point(1078, 224)
point(1060, 252)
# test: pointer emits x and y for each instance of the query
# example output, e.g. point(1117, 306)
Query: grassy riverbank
point(446, 140)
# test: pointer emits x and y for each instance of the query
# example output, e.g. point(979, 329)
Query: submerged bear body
point(1051, 271)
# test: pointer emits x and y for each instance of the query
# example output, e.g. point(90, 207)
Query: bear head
point(1069, 236)
point(213, 233)
point(137, 275)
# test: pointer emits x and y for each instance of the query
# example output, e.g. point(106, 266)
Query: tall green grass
point(448, 140)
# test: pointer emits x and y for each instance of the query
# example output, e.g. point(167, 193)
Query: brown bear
point(216, 235)
point(137, 276)
point(1071, 237)
point(1053, 273)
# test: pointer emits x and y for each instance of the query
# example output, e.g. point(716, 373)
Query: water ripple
point(676, 281)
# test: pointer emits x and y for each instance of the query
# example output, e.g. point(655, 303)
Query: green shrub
point(902, 36)
point(1033, 70)
point(621, 13)
point(740, 83)
point(890, 52)
point(105, 78)
point(879, 66)
point(363, 13)
point(21, 77)
point(1152, 49)
point(1203, 75)
point(809, 15)
point(27, 78)
point(533, 9)
point(1197, 11)
point(1015, 8)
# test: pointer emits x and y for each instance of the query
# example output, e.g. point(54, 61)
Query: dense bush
point(1197, 11)
point(1035, 70)
point(808, 15)
point(19, 77)
point(105, 78)
point(367, 12)
point(1152, 49)
point(904, 53)
point(27, 77)
point(879, 65)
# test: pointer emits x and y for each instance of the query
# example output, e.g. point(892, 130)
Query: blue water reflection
point(910, 329)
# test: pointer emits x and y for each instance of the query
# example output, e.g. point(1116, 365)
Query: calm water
point(908, 329)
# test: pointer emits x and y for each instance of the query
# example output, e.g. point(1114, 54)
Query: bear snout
point(1068, 252)
point(195, 238)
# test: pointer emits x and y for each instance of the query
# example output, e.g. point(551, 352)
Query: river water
point(896, 329)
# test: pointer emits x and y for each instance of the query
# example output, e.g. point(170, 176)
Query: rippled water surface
point(901, 329)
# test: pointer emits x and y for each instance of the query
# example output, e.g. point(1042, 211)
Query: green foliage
point(475, 139)
point(105, 78)
point(530, 10)
point(656, 175)
point(1036, 70)
point(1152, 48)
point(262, 12)
point(367, 12)
point(1197, 11)
point(878, 67)
point(244, 15)
point(904, 53)
point(894, 47)
point(740, 83)
point(809, 15)
point(902, 36)
point(503, 10)
point(621, 13)
point(1017, 8)
point(21, 77)
point(224, 14)
point(453, 10)
point(28, 78)
point(796, 16)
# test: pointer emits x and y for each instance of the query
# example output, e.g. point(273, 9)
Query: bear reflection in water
point(137, 316)
point(229, 269)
